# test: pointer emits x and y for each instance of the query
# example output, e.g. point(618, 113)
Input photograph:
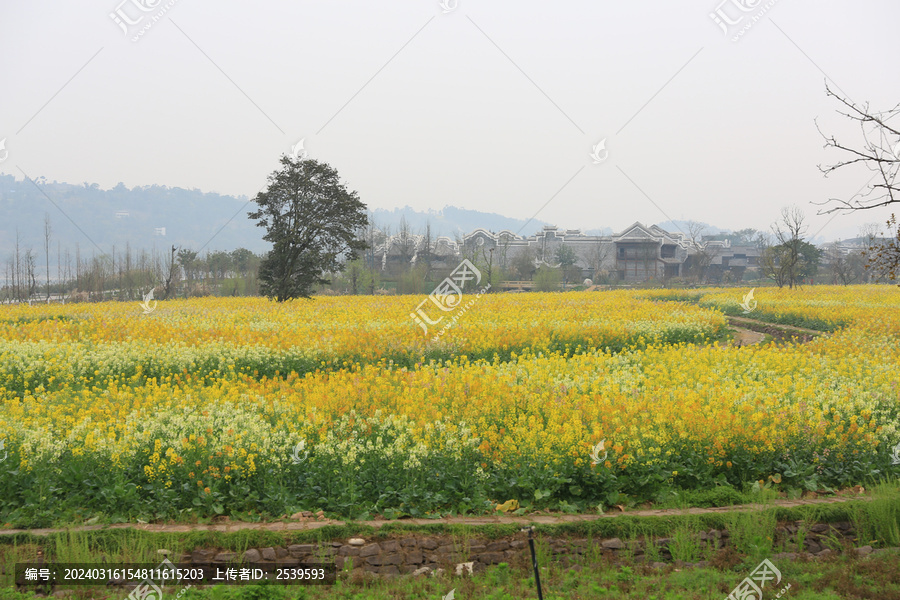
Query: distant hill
point(143, 217)
point(160, 216)
point(157, 216)
point(684, 226)
point(601, 231)
point(451, 220)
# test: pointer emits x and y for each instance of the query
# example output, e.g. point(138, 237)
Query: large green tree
point(311, 220)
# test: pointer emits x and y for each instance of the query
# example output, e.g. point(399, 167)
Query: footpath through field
point(746, 337)
point(532, 519)
point(750, 323)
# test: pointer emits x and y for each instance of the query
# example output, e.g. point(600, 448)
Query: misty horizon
point(583, 116)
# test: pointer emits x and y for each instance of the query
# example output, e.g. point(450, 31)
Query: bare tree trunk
point(59, 279)
point(67, 275)
point(78, 282)
point(17, 270)
point(170, 272)
point(30, 268)
point(47, 231)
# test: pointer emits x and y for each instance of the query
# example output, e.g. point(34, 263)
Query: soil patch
point(779, 332)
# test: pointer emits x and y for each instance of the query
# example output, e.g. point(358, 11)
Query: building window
point(621, 252)
point(667, 251)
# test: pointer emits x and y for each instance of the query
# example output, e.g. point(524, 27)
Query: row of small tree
point(126, 273)
point(785, 257)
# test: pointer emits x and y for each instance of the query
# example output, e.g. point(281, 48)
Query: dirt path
point(746, 337)
point(751, 323)
point(532, 519)
point(749, 332)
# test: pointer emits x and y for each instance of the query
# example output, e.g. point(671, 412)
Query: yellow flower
point(552, 392)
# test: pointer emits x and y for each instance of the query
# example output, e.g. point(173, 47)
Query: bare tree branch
point(879, 152)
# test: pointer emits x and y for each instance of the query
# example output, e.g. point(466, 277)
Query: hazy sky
point(494, 106)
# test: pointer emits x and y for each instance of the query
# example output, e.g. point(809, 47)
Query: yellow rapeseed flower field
point(238, 406)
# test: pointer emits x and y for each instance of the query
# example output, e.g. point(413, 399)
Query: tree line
point(322, 237)
point(125, 273)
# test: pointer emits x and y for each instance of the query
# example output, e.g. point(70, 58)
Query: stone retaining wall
point(419, 555)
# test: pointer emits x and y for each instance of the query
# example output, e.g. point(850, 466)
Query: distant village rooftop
point(638, 253)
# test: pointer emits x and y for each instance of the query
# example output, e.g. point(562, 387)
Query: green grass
point(878, 517)
point(752, 537)
point(878, 521)
point(721, 495)
point(834, 578)
point(684, 544)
